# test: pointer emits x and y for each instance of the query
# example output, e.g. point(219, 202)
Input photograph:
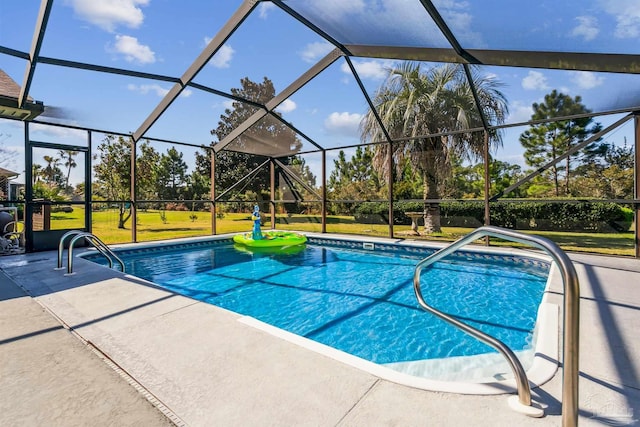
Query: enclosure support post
point(390, 184)
point(132, 196)
point(487, 184)
point(272, 207)
point(213, 192)
point(324, 191)
point(28, 190)
point(88, 189)
point(636, 184)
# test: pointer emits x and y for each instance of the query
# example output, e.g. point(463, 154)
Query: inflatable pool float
point(271, 239)
point(270, 251)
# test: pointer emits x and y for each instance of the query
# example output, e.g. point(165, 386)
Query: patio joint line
point(180, 308)
point(364, 395)
point(151, 398)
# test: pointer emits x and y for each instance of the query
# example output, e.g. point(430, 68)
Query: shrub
point(543, 216)
point(172, 206)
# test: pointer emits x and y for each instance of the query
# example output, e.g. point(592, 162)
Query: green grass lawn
point(152, 225)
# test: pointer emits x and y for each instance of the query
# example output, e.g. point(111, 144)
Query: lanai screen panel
point(256, 51)
point(97, 100)
point(370, 22)
point(594, 26)
point(597, 92)
point(150, 37)
point(269, 137)
point(331, 105)
point(193, 117)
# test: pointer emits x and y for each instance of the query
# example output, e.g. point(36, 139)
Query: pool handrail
point(93, 240)
point(571, 315)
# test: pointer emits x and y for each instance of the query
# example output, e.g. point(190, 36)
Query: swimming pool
point(361, 301)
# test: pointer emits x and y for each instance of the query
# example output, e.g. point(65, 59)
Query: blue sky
point(165, 36)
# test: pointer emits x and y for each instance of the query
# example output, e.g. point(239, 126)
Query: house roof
point(8, 87)
point(9, 94)
point(6, 173)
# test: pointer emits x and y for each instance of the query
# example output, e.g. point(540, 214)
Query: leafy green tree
point(268, 137)
point(607, 175)
point(299, 167)
point(407, 183)
point(413, 102)
point(467, 182)
point(113, 174)
point(147, 164)
point(290, 189)
point(197, 188)
point(544, 142)
point(172, 173)
point(47, 192)
point(354, 179)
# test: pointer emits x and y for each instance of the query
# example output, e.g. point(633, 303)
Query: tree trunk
point(431, 210)
point(122, 219)
point(566, 180)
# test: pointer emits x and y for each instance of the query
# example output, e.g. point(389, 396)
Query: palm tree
point(69, 162)
point(36, 172)
point(50, 172)
point(413, 102)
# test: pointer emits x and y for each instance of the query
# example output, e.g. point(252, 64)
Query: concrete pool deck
point(82, 349)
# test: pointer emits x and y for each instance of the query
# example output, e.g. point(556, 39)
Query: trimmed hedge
point(544, 216)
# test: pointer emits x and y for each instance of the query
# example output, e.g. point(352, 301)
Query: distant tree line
point(423, 168)
point(447, 167)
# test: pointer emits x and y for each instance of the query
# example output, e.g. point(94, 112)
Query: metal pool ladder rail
point(93, 240)
point(571, 319)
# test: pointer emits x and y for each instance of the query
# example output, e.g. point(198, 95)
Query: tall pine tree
point(544, 142)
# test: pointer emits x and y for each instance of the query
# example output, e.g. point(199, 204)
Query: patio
point(91, 93)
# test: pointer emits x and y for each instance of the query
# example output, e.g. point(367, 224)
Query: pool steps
point(571, 320)
point(89, 238)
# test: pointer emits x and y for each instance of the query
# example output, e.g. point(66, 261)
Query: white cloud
point(628, 26)
point(627, 15)
point(587, 28)
point(314, 51)
point(228, 104)
point(133, 51)
point(223, 56)
point(286, 106)
point(345, 124)
point(519, 112)
point(373, 69)
point(535, 80)
point(339, 8)
point(59, 132)
point(586, 79)
point(157, 89)
point(108, 14)
point(457, 15)
point(264, 9)
point(145, 89)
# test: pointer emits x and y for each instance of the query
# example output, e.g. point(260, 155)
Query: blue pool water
point(358, 301)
